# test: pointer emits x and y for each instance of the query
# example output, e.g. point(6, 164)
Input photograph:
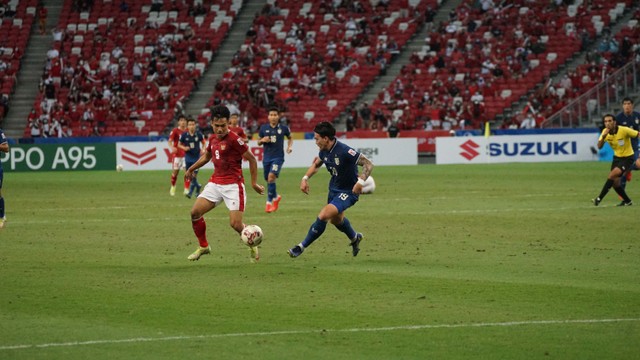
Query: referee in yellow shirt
point(619, 138)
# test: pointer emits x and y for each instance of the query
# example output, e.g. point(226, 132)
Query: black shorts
point(624, 163)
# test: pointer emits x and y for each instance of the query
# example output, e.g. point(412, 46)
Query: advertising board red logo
point(138, 158)
point(469, 150)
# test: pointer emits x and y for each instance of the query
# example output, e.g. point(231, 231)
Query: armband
point(360, 181)
point(305, 178)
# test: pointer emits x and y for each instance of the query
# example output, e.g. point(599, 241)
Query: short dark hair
point(627, 99)
point(219, 112)
point(325, 129)
point(273, 108)
point(608, 115)
point(191, 120)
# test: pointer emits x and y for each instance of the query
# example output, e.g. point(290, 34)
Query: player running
point(271, 137)
point(226, 150)
point(192, 142)
point(177, 155)
point(345, 186)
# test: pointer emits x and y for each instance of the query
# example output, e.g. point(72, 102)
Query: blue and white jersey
point(275, 148)
point(193, 142)
point(342, 163)
point(633, 121)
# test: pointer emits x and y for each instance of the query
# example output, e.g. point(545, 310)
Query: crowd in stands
point(16, 18)
point(118, 67)
point(612, 52)
point(313, 58)
point(486, 56)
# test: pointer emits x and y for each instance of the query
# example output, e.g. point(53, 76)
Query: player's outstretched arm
point(4, 147)
point(253, 170)
point(312, 170)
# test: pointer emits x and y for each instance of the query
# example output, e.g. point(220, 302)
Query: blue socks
point(193, 186)
point(318, 227)
point(271, 192)
point(1, 207)
point(314, 232)
point(346, 228)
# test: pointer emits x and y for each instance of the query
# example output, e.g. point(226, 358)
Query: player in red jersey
point(226, 150)
point(233, 126)
point(177, 156)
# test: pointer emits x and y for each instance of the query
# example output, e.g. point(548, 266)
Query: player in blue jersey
point(192, 142)
point(271, 137)
point(629, 118)
point(4, 147)
point(345, 186)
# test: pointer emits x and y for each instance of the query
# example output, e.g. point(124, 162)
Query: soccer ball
point(119, 167)
point(369, 185)
point(252, 235)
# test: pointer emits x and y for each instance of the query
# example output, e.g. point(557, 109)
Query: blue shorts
point(187, 165)
point(342, 200)
point(1, 177)
point(272, 166)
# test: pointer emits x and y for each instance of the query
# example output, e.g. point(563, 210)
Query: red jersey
point(238, 130)
point(226, 156)
point(174, 138)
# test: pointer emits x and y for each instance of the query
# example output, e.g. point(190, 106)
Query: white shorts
point(178, 163)
point(233, 195)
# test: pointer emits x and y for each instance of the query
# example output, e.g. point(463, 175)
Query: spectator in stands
point(189, 33)
point(57, 35)
point(88, 116)
point(351, 120)
point(34, 126)
point(528, 122)
point(365, 114)
point(42, 19)
point(566, 83)
point(393, 130)
point(136, 71)
point(53, 53)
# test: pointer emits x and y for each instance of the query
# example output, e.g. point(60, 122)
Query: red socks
point(200, 229)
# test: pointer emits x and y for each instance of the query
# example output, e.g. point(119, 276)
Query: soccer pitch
point(508, 261)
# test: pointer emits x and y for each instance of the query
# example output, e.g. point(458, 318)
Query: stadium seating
point(93, 66)
point(502, 54)
point(309, 57)
point(313, 60)
point(15, 27)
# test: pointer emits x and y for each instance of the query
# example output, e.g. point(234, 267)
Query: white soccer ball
point(252, 235)
point(119, 167)
point(369, 185)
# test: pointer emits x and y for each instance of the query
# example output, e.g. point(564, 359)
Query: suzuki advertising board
point(518, 148)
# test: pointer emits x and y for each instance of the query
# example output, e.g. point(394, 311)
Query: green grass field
point(489, 261)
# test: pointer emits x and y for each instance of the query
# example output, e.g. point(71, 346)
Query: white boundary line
point(62, 221)
point(299, 332)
